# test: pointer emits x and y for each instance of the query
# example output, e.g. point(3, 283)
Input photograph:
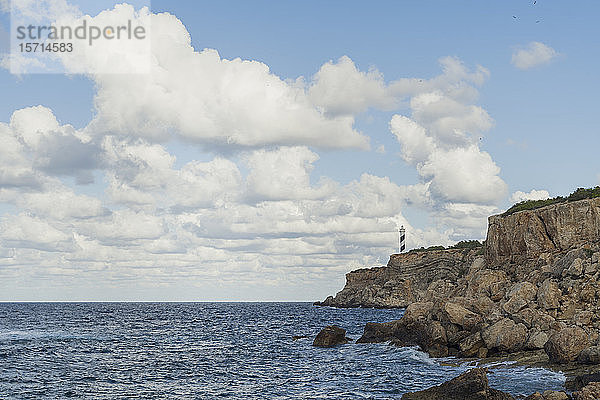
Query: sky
point(259, 150)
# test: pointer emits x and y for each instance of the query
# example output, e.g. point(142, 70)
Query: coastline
point(529, 294)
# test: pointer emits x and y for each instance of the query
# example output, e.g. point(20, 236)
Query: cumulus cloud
point(340, 88)
point(465, 175)
point(61, 203)
point(199, 96)
point(252, 211)
point(533, 55)
point(441, 138)
point(416, 145)
point(45, 142)
point(24, 231)
point(519, 196)
point(284, 174)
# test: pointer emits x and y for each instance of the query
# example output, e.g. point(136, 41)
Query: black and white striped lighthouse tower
point(401, 239)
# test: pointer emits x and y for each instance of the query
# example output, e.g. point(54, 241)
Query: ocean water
point(215, 351)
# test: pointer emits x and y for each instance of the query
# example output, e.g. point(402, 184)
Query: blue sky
point(445, 149)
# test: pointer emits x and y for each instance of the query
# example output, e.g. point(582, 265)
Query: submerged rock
point(330, 336)
point(471, 385)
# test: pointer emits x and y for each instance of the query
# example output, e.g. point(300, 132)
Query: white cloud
point(440, 139)
point(23, 231)
point(204, 98)
point(416, 145)
point(61, 203)
point(254, 213)
point(45, 142)
point(284, 174)
point(519, 196)
point(31, 124)
point(340, 89)
point(39, 10)
point(464, 175)
point(533, 55)
point(15, 169)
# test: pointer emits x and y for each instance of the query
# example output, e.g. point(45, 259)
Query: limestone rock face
point(330, 336)
point(471, 385)
point(528, 234)
point(565, 346)
point(403, 281)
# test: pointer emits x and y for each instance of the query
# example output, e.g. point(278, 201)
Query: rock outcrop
point(537, 286)
point(471, 385)
point(566, 345)
point(330, 336)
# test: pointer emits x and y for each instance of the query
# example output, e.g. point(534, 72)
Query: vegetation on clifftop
point(579, 194)
point(464, 244)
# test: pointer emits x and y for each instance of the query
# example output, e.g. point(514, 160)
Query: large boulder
point(471, 385)
point(505, 335)
point(469, 346)
point(377, 332)
point(414, 329)
point(519, 296)
point(565, 345)
point(459, 315)
point(554, 395)
point(490, 283)
point(418, 311)
point(430, 336)
point(330, 336)
point(536, 340)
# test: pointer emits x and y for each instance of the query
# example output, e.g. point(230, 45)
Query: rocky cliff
point(402, 281)
point(551, 230)
point(537, 287)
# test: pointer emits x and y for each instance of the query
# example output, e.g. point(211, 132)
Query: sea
point(217, 351)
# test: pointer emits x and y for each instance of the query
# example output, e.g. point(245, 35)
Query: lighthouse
point(401, 239)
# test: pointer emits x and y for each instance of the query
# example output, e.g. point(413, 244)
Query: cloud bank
point(252, 212)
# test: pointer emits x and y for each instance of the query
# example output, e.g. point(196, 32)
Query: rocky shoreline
point(534, 288)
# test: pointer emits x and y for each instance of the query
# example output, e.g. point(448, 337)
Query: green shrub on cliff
point(579, 194)
point(464, 244)
point(467, 244)
point(431, 248)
